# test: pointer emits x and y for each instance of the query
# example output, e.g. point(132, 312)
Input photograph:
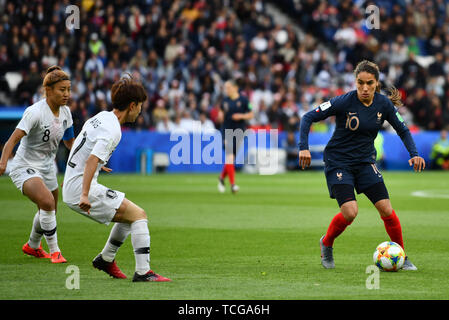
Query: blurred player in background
point(350, 155)
point(33, 168)
point(236, 110)
point(93, 147)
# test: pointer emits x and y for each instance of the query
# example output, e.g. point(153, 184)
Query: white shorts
point(20, 175)
point(104, 204)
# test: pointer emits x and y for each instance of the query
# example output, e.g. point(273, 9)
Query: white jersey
point(44, 132)
point(100, 136)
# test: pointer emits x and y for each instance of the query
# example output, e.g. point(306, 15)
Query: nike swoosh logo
point(352, 113)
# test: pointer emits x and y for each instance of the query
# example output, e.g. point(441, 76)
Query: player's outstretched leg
point(229, 169)
point(327, 255)
point(140, 238)
point(34, 246)
point(105, 261)
point(231, 172)
point(35, 189)
point(393, 228)
point(48, 223)
point(338, 224)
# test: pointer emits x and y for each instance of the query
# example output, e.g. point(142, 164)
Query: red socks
point(393, 227)
point(224, 172)
point(231, 173)
point(228, 169)
point(337, 226)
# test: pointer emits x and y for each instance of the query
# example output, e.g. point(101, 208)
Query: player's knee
point(46, 203)
point(384, 207)
point(349, 210)
point(142, 214)
point(138, 214)
point(350, 216)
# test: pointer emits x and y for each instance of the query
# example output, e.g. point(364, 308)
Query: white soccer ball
point(389, 256)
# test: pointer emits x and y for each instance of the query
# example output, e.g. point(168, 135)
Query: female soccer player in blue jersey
point(350, 155)
point(236, 110)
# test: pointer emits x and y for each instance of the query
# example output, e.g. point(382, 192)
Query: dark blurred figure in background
point(440, 153)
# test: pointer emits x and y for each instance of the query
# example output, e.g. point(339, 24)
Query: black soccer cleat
point(150, 276)
point(110, 268)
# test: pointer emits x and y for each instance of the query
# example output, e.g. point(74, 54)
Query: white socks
point(36, 233)
point(48, 224)
point(140, 238)
point(118, 235)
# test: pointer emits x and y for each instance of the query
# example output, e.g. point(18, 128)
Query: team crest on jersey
point(379, 117)
point(239, 104)
point(225, 106)
point(339, 176)
point(111, 194)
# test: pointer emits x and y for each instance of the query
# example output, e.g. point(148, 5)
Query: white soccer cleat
point(221, 186)
point(235, 188)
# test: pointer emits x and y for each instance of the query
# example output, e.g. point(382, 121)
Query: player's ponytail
point(53, 75)
point(125, 91)
point(395, 96)
point(52, 68)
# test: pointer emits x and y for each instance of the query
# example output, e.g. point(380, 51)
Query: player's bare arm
point(14, 139)
point(89, 172)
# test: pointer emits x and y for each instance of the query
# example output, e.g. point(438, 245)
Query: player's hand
point(106, 169)
point(85, 204)
point(418, 163)
point(305, 158)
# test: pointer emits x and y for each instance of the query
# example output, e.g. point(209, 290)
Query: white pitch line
point(430, 194)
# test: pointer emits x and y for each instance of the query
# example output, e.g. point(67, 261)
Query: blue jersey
point(229, 107)
point(356, 128)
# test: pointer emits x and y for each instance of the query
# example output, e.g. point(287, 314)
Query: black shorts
point(361, 177)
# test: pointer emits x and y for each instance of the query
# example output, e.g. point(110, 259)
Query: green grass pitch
point(259, 244)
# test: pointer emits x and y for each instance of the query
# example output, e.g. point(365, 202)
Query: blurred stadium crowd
point(183, 51)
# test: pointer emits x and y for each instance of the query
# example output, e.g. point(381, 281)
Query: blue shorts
point(361, 177)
